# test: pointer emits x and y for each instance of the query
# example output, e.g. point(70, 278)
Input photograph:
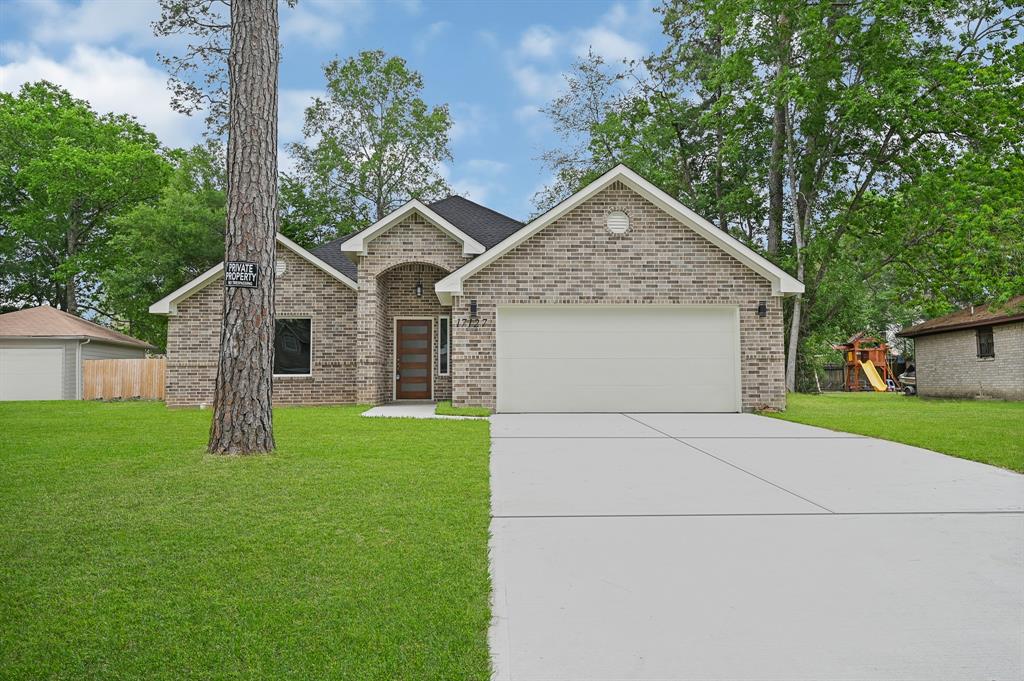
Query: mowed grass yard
point(987, 431)
point(357, 551)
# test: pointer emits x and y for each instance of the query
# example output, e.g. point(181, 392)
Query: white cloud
point(323, 22)
point(433, 32)
point(606, 43)
point(468, 120)
point(111, 81)
point(537, 85)
point(413, 7)
point(539, 42)
point(291, 105)
point(91, 21)
point(486, 166)
point(532, 119)
point(617, 35)
point(488, 38)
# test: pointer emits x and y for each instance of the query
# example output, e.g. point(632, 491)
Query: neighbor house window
point(443, 345)
point(292, 347)
point(986, 343)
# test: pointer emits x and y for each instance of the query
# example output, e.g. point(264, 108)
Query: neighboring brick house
point(974, 352)
point(617, 299)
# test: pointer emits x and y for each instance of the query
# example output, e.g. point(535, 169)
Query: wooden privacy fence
point(123, 379)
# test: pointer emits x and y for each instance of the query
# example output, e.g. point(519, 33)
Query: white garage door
point(579, 358)
point(31, 373)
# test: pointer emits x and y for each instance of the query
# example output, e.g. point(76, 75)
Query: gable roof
point(969, 318)
point(488, 227)
point(782, 283)
point(359, 241)
point(168, 304)
point(49, 322)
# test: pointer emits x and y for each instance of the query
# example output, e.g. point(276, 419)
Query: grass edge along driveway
point(357, 551)
point(991, 432)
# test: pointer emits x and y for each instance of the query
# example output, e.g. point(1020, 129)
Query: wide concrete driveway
point(687, 546)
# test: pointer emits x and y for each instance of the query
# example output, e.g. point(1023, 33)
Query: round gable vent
point(280, 268)
point(618, 222)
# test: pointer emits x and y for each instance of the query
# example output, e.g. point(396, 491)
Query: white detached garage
point(42, 350)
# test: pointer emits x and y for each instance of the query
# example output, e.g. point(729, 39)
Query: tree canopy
point(65, 173)
point(376, 145)
point(872, 148)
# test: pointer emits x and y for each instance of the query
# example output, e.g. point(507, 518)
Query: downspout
point(78, 367)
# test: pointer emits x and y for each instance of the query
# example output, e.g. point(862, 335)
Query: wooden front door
point(413, 355)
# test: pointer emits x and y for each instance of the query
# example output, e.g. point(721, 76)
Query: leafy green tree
point(65, 174)
point(801, 126)
point(160, 246)
point(377, 144)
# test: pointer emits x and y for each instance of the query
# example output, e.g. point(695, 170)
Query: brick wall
point(409, 244)
point(948, 364)
point(577, 260)
point(398, 286)
point(193, 339)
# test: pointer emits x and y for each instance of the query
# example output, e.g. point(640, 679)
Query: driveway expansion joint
point(729, 463)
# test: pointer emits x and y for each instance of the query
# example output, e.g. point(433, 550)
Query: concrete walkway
point(737, 547)
point(410, 410)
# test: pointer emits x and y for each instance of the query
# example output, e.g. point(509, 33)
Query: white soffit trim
point(360, 242)
point(168, 304)
point(782, 283)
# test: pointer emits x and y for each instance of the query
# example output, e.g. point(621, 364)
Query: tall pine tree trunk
point(242, 418)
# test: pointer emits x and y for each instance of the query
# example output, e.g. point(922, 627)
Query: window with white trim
point(443, 346)
point(293, 345)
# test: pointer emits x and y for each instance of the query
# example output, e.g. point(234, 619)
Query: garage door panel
point(612, 343)
point(596, 317)
point(31, 373)
point(623, 372)
point(607, 358)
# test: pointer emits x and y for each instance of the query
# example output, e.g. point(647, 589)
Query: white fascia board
point(168, 304)
point(360, 242)
point(315, 261)
point(782, 283)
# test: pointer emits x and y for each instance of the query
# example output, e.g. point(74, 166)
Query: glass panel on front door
point(413, 356)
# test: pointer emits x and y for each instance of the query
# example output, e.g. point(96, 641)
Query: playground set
point(867, 365)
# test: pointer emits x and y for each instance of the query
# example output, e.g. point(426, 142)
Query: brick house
point(619, 298)
point(974, 352)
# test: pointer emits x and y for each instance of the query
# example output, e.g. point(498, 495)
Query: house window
point(443, 345)
point(292, 347)
point(986, 343)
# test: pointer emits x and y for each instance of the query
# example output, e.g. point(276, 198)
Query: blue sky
point(493, 62)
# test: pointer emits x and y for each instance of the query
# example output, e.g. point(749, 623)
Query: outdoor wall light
point(762, 309)
point(472, 308)
point(419, 289)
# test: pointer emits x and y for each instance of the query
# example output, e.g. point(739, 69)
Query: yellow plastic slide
point(876, 381)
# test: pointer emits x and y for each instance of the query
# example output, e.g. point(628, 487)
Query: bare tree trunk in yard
point(242, 417)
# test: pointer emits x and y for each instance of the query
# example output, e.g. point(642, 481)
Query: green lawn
point(990, 432)
point(357, 551)
point(445, 408)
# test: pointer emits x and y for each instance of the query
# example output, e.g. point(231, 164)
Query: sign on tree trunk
point(242, 417)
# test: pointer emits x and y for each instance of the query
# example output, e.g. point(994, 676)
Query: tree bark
point(775, 179)
point(242, 418)
point(801, 215)
point(776, 162)
point(71, 284)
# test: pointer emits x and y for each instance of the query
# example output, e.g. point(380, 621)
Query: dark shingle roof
point(331, 254)
point(969, 317)
point(487, 226)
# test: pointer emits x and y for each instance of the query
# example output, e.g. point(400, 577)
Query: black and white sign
point(241, 274)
